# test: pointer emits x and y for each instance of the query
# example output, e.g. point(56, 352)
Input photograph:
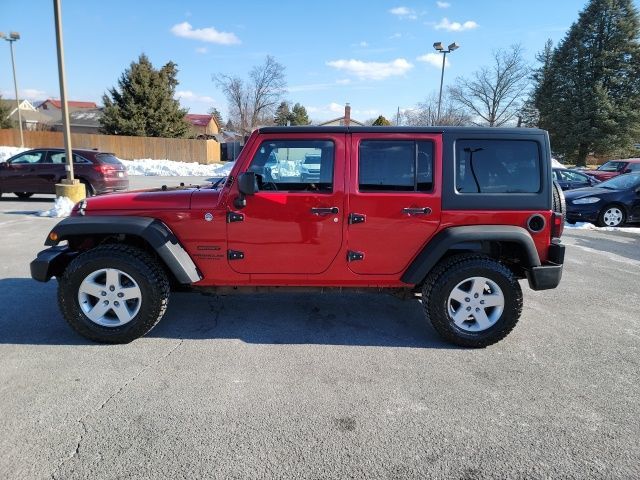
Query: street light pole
point(438, 46)
point(12, 37)
point(63, 92)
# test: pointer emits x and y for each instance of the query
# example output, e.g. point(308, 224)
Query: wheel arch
point(84, 232)
point(493, 240)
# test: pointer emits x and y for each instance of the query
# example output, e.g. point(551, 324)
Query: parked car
point(613, 168)
point(570, 179)
point(452, 217)
point(310, 168)
point(608, 204)
point(38, 171)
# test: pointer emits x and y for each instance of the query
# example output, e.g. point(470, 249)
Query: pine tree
point(213, 111)
point(229, 127)
point(143, 104)
point(282, 116)
point(299, 115)
point(5, 110)
point(381, 122)
point(540, 93)
point(589, 96)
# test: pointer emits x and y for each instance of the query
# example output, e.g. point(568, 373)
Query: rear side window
point(395, 166)
point(497, 166)
point(107, 158)
point(60, 158)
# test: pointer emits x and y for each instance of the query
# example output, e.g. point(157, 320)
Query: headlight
point(586, 200)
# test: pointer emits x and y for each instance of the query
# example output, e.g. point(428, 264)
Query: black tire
point(605, 209)
point(134, 262)
point(447, 275)
point(23, 195)
point(89, 190)
point(559, 204)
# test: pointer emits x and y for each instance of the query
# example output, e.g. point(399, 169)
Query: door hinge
point(354, 256)
point(235, 217)
point(235, 255)
point(356, 218)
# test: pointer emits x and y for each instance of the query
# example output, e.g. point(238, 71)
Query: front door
point(293, 224)
point(394, 200)
point(21, 174)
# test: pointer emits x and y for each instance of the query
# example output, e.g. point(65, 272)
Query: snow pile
point(61, 208)
point(591, 226)
point(556, 164)
point(170, 168)
point(8, 152)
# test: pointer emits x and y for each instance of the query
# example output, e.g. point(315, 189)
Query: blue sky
point(373, 54)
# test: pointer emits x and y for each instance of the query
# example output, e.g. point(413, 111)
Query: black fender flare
point(455, 238)
point(152, 230)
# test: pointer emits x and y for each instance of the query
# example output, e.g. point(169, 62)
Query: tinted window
point(61, 158)
point(397, 166)
point(29, 157)
point(108, 158)
point(634, 167)
point(497, 166)
point(611, 166)
point(283, 165)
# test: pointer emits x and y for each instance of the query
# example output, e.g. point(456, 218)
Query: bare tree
point(253, 102)
point(493, 95)
point(426, 113)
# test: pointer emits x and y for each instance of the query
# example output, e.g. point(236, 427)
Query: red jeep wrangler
point(451, 216)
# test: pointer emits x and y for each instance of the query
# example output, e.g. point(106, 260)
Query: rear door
point(393, 201)
point(292, 225)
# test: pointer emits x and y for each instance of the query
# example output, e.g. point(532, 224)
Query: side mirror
point(247, 185)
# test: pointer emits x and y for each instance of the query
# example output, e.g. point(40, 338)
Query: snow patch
point(170, 168)
point(61, 208)
point(556, 164)
point(591, 226)
point(8, 152)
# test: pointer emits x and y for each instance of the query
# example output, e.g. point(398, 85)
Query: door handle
point(416, 211)
point(325, 210)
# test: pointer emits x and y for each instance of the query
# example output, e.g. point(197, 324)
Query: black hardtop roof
point(59, 149)
point(456, 130)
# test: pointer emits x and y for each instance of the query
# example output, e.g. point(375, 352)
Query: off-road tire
point(23, 195)
point(138, 264)
point(449, 273)
point(559, 204)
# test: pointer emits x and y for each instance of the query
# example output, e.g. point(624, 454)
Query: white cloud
point(363, 44)
point(372, 70)
point(443, 4)
point(395, 35)
point(434, 59)
point(208, 34)
point(189, 96)
point(335, 107)
point(343, 81)
point(25, 93)
point(449, 26)
point(201, 50)
point(403, 12)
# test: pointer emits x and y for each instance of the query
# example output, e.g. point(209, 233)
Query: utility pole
point(69, 187)
point(12, 37)
point(438, 46)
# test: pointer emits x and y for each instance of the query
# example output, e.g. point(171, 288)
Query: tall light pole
point(438, 46)
point(12, 37)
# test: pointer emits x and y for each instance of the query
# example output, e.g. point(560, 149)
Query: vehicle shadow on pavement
point(329, 319)
point(13, 198)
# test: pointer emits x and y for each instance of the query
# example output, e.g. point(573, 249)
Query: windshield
point(612, 166)
point(622, 182)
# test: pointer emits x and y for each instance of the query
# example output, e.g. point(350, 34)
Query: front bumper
point(51, 263)
point(548, 276)
point(586, 213)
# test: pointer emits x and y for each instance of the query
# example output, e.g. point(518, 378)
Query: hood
point(176, 199)
point(587, 192)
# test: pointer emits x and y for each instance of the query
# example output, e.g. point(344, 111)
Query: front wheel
point(23, 195)
point(113, 293)
point(472, 300)
point(611, 216)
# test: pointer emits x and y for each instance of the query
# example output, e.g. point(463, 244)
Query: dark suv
point(452, 217)
point(38, 171)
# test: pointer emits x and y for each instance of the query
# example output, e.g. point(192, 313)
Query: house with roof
point(86, 120)
point(32, 119)
point(203, 125)
point(52, 105)
point(343, 121)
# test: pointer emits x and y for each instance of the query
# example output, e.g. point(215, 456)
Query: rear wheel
point(611, 216)
point(472, 300)
point(23, 195)
point(113, 293)
point(89, 190)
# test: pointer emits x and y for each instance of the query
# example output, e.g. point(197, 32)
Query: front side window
point(497, 166)
point(395, 166)
point(28, 158)
point(294, 165)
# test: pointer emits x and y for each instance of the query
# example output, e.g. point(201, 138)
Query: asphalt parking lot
point(312, 386)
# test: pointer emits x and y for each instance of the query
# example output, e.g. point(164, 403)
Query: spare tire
point(559, 205)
